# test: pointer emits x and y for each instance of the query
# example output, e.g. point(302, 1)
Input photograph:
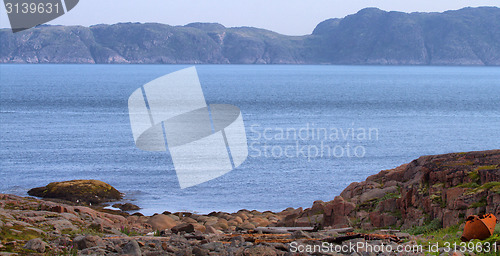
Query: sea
point(311, 129)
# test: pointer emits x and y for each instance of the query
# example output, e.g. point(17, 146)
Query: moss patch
point(458, 164)
point(438, 199)
point(469, 185)
point(9, 234)
point(481, 203)
point(474, 176)
point(368, 206)
point(487, 167)
point(371, 204)
point(490, 186)
point(390, 196)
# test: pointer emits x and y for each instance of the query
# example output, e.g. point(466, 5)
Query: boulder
point(311, 221)
point(356, 189)
point(83, 242)
point(259, 250)
point(238, 219)
point(376, 193)
point(237, 241)
point(247, 225)
point(161, 222)
point(198, 251)
point(212, 230)
point(62, 225)
point(84, 191)
point(189, 220)
point(58, 209)
point(36, 245)
point(316, 208)
point(62, 241)
point(131, 248)
point(94, 251)
point(261, 222)
point(221, 225)
point(291, 217)
point(183, 227)
point(337, 212)
point(213, 246)
point(199, 227)
point(127, 207)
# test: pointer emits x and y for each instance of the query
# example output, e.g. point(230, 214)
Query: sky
point(290, 17)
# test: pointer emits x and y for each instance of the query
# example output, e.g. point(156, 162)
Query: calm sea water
point(340, 124)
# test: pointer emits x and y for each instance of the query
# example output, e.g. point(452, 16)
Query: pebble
point(36, 245)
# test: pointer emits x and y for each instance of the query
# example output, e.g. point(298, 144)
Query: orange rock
point(161, 222)
point(260, 221)
point(164, 246)
point(199, 227)
point(238, 219)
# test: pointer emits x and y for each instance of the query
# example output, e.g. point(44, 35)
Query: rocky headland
point(424, 201)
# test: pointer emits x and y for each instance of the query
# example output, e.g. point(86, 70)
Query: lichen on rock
point(84, 191)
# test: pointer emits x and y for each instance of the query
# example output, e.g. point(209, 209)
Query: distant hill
point(469, 36)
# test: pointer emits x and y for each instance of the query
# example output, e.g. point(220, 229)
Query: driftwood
point(282, 230)
point(340, 230)
point(194, 237)
point(351, 235)
point(263, 238)
point(340, 239)
point(285, 230)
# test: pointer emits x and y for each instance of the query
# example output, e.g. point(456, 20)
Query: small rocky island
point(78, 191)
point(420, 203)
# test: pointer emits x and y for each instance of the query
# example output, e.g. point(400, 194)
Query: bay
point(63, 122)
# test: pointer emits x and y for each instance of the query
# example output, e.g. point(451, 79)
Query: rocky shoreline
point(419, 203)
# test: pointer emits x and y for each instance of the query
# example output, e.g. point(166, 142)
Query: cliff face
point(469, 36)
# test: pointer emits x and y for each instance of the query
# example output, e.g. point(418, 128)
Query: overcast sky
point(291, 17)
